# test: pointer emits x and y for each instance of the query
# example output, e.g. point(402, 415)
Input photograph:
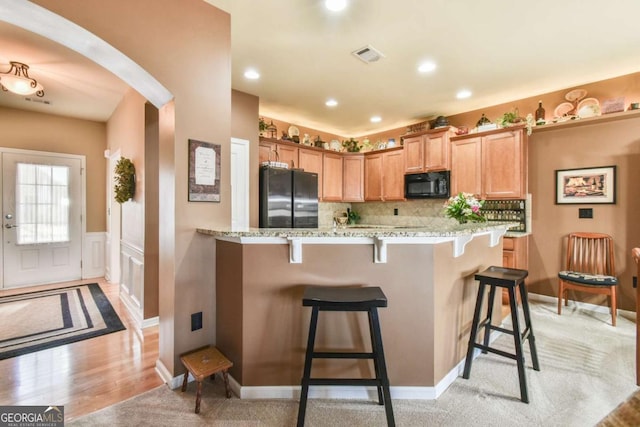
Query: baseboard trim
point(368, 393)
point(165, 374)
point(360, 393)
point(152, 321)
point(604, 309)
point(133, 308)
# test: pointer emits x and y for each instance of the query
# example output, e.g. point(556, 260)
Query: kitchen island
point(426, 274)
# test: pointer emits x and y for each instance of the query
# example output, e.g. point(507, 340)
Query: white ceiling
point(74, 86)
point(500, 51)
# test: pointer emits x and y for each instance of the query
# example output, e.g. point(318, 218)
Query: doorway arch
point(45, 23)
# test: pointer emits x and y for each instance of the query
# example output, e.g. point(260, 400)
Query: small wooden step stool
point(203, 363)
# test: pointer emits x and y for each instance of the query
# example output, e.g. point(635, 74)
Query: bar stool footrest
point(337, 355)
point(496, 351)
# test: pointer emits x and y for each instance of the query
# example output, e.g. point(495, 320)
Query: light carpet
point(38, 320)
point(587, 369)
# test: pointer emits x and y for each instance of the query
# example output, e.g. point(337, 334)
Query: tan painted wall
point(186, 46)
point(614, 143)
point(244, 125)
point(63, 135)
point(125, 132)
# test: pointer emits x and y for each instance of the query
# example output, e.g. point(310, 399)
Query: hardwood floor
point(87, 375)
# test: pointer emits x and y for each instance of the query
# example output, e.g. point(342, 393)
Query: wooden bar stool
point(205, 362)
point(512, 279)
point(326, 298)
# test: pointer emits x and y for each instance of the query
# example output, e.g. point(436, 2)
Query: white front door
point(239, 183)
point(41, 213)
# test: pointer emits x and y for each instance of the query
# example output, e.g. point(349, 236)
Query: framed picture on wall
point(204, 171)
point(586, 185)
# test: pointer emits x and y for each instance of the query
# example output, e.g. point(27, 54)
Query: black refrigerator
point(288, 198)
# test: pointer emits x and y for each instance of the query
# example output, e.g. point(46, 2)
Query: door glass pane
point(42, 203)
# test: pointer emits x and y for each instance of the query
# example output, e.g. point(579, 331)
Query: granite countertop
point(441, 229)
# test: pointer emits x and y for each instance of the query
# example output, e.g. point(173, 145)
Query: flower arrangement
point(464, 208)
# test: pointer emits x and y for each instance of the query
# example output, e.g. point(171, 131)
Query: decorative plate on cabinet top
point(563, 109)
point(588, 107)
point(575, 95)
point(335, 145)
point(293, 131)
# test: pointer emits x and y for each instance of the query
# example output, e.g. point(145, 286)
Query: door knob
point(10, 226)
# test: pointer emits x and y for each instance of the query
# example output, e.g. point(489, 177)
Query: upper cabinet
point(392, 176)
point(269, 150)
point(311, 161)
point(373, 176)
point(353, 178)
point(428, 151)
point(384, 177)
point(332, 170)
point(491, 165)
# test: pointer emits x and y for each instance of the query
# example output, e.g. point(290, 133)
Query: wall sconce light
point(17, 80)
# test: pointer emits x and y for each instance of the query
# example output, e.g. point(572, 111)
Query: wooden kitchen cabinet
point(515, 254)
point(353, 178)
point(414, 154)
point(504, 165)
point(384, 177)
point(332, 170)
point(287, 154)
point(492, 166)
point(311, 161)
point(428, 151)
point(466, 166)
point(270, 150)
point(265, 151)
point(373, 177)
point(392, 176)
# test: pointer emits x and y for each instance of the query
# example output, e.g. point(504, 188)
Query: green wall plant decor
point(125, 186)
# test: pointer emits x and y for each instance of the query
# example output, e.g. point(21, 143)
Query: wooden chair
point(589, 267)
point(635, 253)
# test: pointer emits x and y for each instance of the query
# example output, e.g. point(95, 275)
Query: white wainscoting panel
point(93, 258)
point(132, 280)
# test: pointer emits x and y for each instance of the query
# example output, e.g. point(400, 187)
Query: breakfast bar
point(427, 274)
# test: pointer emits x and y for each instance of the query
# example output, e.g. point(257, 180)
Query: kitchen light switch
point(585, 213)
point(196, 321)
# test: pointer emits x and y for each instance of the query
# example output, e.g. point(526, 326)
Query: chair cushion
point(588, 279)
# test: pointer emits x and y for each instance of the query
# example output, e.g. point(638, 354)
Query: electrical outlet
point(196, 321)
point(585, 213)
point(395, 211)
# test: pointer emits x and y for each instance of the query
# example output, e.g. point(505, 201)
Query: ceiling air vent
point(41, 101)
point(368, 54)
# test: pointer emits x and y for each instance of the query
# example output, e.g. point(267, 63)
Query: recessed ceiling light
point(464, 93)
point(252, 74)
point(427, 67)
point(331, 103)
point(376, 119)
point(335, 5)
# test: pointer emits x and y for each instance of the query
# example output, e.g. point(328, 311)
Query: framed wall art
point(204, 171)
point(586, 185)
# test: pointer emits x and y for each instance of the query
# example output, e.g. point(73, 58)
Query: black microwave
point(427, 185)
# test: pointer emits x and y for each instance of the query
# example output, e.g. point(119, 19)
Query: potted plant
point(351, 145)
point(263, 126)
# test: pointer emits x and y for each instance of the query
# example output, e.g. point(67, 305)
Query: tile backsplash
point(410, 212)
